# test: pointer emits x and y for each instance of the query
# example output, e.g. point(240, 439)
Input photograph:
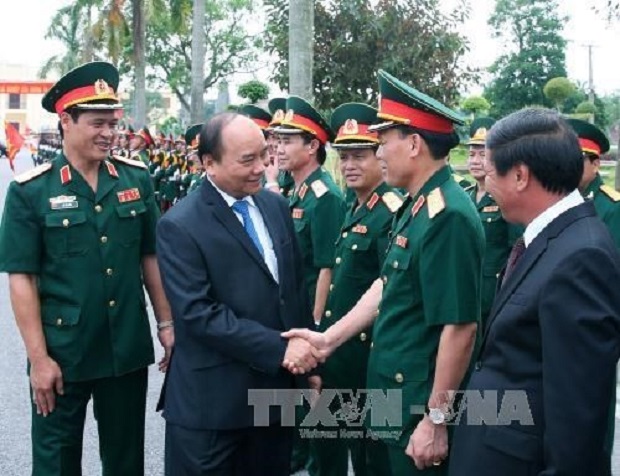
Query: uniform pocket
point(130, 222)
point(62, 335)
point(65, 234)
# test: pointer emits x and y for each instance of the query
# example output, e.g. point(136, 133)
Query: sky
point(26, 21)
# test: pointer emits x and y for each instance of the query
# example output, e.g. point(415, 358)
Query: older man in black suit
point(554, 329)
point(232, 271)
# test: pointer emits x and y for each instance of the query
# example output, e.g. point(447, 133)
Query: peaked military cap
point(591, 139)
point(89, 86)
point(146, 135)
point(191, 135)
point(479, 129)
point(260, 117)
point(401, 104)
point(302, 117)
point(352, 121)
point(277, 107)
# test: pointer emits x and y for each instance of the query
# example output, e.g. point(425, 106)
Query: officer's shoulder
point(435, 202)
point(33, 173)
point(319, 188)
point(611, 193)
point(131, 162)
point(392, 200)
point(470, 188)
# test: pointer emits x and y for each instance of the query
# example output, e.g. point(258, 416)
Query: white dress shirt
point(259, 225)
point(539, 223)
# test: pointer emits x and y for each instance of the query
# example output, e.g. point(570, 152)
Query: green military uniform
point(360, 250)
point(318, 210)
point(606, 200)
point(85, 247)
point(431, 278)
point(499, 234)
point(286, 184)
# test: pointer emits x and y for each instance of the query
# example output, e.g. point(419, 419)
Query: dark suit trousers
point(258, 451)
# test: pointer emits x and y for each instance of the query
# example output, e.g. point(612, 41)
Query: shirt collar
point(229, 199)
point(539, 223)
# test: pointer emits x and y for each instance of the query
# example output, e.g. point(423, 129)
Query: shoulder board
point(612, 193)
point(392, 201)
point(33, 173)
point(435, 203)
point(458, 178)
point(319, 188)
point(135, 163)
point(469, 188)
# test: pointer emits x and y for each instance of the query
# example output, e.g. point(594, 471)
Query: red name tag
point(298, 213)
point(130, 195)
point(401, 241)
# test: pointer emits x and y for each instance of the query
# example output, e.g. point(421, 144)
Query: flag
point(14, 143)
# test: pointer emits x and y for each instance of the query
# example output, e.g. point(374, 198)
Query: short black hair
point(210, 141)
point(438, 144)
point(321, 153)
point(541, 140)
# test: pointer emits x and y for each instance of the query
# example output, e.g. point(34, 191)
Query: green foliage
point(253, 91)
point(586, 107)
point(413, 40)
point(154, 103)
point(611, 106)
point(558, 90)
point(475, 105)
point(580, 95)
point(531, 33)
point(171, 125)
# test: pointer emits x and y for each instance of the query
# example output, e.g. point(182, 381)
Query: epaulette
point(132, 162)
point(612, 193)
point(470, 187)
point(319, 188)
point(435, 202)
point(33, 173)
point(458, 178)
point(392, 201)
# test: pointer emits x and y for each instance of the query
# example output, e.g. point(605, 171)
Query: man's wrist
point(161, 325)
point(272, 184)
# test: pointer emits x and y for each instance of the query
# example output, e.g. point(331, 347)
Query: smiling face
point(475, 161)
point(293, 153)
point(240, 167)
point(91, 135)
point(360, 168)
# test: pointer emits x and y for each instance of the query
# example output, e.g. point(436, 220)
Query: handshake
point(305, 350)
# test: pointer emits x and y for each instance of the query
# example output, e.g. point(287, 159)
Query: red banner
point(25, 87)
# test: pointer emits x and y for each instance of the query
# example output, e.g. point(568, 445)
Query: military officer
point(140, 144)
point(277, 180)
point(192, 135)
point(499, 234)
point(426, 305)
point(360, 250)
point(78, 241)
point(317, 208)
point(606, 200)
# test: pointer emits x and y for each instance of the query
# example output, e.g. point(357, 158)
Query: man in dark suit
point(232, 270)
point(554, 329)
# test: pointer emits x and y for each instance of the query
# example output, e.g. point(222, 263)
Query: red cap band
point(398, 112)
point(82, 95)
point(307, 125)
point(590, 146)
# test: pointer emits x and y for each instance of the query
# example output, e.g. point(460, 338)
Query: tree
point(558, 90)
point(531, 32)
point(301, 46)
point(586, 107)
point(198, 61)
point(138, 34)
point(475, 105)
point(354, 38)
point(66, 28)
point(229, 46)
point(253, 91)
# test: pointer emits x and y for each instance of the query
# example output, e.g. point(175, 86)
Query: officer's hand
point(46, 381)
point(166, 339)
point(321, 345)
point(316, 384)
point(299, 356)
point(428, 445)
point(271, 170)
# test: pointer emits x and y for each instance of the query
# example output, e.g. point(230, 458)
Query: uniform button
point(489, 220)
point(104, 239)
point(372, 344)
point(112, 303)
point(399, 377)
point(497, 276)
point(395, 264)
point(377, 312)
point(132, 213)
point(328, 314)
point(384, 279)
point(65, 222)
point(345, 234)
point(59, 321)
point(338, 260)
point(109, 272)
point(331, 287)
point(363, 337)
point(98, 208)
point(354, 247)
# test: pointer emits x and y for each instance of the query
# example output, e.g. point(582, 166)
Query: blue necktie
point(241, 207)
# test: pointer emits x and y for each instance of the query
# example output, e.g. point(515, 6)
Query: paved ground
point(15, 409)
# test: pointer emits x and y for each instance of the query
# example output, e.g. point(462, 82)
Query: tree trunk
point(87, 52)
point(301, 48)
point(139, 40)
point(198, 62)
point(223, 97)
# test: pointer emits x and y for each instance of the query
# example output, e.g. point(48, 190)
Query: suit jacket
point(228, 310)
point(553, 331)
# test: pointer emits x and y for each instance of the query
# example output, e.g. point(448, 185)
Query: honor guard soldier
point(317, 208)
point(360, 251)
point(606, 200)
point(499, 234)
point(426, 304)
point(278, 180)
point(140, 145)
point(192, 135)
point(78, 241)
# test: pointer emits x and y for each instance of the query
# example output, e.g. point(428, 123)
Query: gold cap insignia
point(480, 135)
point(289, 115)
point(279, 115)
point(101, 87)
point(350, 127)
